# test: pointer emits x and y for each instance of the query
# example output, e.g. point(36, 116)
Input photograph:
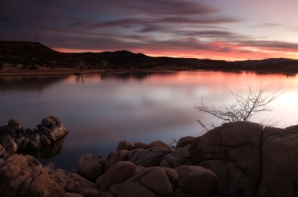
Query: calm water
point(101, 110)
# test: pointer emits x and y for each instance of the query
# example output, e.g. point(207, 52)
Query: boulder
point(149, 157)
point(84, 183)
point(118, 173)
point(91, 167)
point(294, 128)
point(67, 194)
point(158, 143)
point(195, 181)
point(153, 181)
point(133, 188)
point(141, 145)
point(184, 141)
point(159, 180)
point(15, 125)
point(279, 163)
point(65, 182)
point(22, 176)
point(32, 162)
point(124, 145)
point(48, 133)
point(90, 192)
point(177, 158)
point(232, 152)
point(54, 125)
point(9, 144)
point(22, 142)
point(44, 141)
point(116, 156)
point(35, 142)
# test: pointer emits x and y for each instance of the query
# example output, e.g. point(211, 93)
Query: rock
point(90, 192)
point(99, 181)
point(140, 145)
point(22, 142)
point(44, 141)
point(14, 125)
point(32, 162)
point(294, 128)
point(232, 152)
point(279, 163)
point(157, 180)
point(126, 145)
point(48, 133)
point(67, 194)
point(134, 188)
point(116, 156)
point(20, 176)
point(84, 183)
point(91, 167)
point(149, 157)
point(184, 141)
point(52, 126)
point(153, 181)
point(2, 151)
point(65, 182)
point(177, 158)
point(158, 144)
point(195, 181)
point(35, 142)
point(118, 173)
point(9, 144)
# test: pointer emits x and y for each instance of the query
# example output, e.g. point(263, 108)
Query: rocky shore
point(236, 159)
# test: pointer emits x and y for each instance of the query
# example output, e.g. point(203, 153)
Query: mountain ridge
point(29, 54)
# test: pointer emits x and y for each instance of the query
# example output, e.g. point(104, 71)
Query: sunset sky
point(215, 29)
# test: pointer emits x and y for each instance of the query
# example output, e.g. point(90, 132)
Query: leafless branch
point(243, 107)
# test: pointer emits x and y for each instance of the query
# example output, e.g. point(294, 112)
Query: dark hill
point(34, 53)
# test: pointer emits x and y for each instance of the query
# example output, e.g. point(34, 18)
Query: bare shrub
point(243, 107)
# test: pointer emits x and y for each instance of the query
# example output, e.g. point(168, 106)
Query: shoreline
point(74, 71)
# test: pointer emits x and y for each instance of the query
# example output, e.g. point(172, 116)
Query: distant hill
point(34, 54)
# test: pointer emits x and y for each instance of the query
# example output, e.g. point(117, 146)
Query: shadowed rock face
point(13, 137)
point(232, 152)
point(279, 163)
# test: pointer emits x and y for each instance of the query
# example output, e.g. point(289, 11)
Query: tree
point(243, 107)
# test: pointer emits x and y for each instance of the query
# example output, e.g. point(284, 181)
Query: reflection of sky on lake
point(101, 110)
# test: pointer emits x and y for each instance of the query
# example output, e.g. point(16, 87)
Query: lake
point(100, 110)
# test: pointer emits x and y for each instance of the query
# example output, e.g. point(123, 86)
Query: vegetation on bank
point(33, 55)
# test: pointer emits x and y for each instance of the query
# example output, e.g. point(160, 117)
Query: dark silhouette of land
point(34, 58)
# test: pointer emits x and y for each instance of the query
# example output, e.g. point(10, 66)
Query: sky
point(214, 29)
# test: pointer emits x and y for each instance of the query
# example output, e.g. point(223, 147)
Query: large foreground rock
point(233, 153)
point(279, 163)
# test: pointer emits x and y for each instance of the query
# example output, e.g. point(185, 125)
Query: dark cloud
point(135, 25)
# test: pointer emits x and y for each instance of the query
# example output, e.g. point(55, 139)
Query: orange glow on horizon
point(235, 53)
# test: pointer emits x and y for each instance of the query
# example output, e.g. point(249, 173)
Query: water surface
point(102, 109)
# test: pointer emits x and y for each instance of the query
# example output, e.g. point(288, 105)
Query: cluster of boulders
point(236, 159)
point(14, 137)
